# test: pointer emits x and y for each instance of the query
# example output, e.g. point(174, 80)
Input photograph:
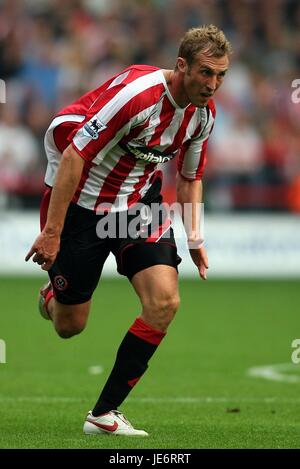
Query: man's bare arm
point(46, 246)
point(190, 192)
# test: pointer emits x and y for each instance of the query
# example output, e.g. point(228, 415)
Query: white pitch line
point(208, 400)
point(152, 400)
point(277, 372)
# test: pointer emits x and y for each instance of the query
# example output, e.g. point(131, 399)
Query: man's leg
point(75, 272)
point(157, 288)
point(68, 320)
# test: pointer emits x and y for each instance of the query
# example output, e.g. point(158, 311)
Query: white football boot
point(111, 423)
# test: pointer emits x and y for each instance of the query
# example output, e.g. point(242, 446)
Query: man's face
point(203, 77)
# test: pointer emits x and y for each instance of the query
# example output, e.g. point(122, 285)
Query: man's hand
point(45, 248)
point(46, 245)
point(200, 259)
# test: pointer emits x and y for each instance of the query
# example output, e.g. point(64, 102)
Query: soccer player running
point(103, 150)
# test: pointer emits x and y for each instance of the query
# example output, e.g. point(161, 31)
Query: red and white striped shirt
point(122, 130)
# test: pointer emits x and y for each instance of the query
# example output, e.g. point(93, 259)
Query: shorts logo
point(92, 128)
point(60, 283)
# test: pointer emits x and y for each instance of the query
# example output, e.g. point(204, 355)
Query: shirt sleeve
point(192, 154)
point(106, 122)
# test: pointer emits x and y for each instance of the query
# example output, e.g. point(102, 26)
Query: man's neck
point(175, 85)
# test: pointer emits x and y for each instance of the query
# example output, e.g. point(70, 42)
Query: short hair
point(207, 38)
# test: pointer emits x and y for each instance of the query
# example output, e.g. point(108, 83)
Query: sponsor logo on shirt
point(93, 127)
point(151, 156)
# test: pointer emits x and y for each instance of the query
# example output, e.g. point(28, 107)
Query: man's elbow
point(72, 159)
point(69, 153)
point(183, 180)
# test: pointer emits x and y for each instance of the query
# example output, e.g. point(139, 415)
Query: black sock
point(136, 349)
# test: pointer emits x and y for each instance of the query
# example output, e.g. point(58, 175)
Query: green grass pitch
point(196, 392)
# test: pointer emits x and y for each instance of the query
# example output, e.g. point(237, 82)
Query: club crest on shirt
point(93, 127)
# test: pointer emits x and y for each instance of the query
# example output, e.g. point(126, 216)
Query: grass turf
point(196, 393)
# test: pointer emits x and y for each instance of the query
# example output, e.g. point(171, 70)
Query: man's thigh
point(149, 243)
point(78, 266)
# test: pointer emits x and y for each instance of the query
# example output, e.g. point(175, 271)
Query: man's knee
point(66, 329)
point(161, 310)
point(169, 304)
point(70, 320)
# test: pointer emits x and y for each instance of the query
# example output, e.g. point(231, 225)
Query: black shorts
point(78, 266)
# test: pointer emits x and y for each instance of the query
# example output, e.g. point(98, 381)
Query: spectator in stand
point(18, 151)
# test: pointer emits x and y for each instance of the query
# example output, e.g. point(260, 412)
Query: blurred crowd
point(52, 51)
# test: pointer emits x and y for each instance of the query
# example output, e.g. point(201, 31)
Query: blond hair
point(206, 38)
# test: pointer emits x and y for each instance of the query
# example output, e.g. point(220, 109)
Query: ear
point(181, 64)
